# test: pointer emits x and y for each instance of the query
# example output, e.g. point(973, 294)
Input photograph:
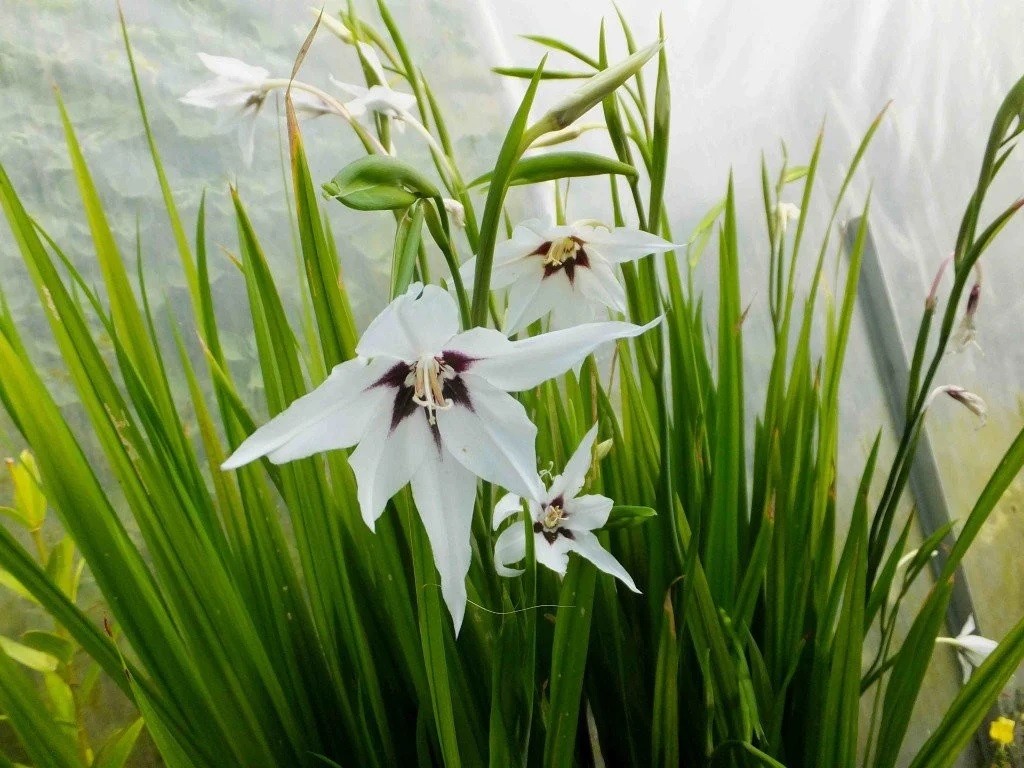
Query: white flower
point(427, 405)
point(563, 522)
point(566, 270)
point(377, 98)
point(971, 649)
point(237, 85)
point(966, 333)
point(785, 213)
point(456, 210)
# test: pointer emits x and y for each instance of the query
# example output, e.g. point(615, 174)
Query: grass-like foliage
point(258, 621)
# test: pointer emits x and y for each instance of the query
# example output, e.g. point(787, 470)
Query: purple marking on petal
point(557, 502)
point(457, 361)
point(542, 249)
point(394, 376)
point(403, 407)
point(457, 391)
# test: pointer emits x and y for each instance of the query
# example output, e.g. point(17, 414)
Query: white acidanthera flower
point(562, 522)
point(972, 649)
point(242, 87)
point(785, 213)
point(966, 398)
point(427, 405)
point(567, 270)
point(377, 98)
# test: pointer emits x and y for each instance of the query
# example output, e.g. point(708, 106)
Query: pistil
point(428, 376)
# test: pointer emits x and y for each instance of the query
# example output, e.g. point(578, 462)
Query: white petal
point(479, 343)
point(510, 548)
point(969, 626)
point(445, 494)
point(586, 545)
point(382, 99)
point(569, 483)
point(335, 400)
point(534, 296)
point(552, 555)
point(247, 138)
point(417, 323)
point(526, 363)
point(599, 285)
point(371, 58)
point(233, 69)
point(351, 89)
point(493, 438)
point(623, 243)
point(507, 505)
point(585, 513)
point(387, 459)
point(218, 94)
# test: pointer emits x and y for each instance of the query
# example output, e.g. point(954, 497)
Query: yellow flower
point(1001, 731)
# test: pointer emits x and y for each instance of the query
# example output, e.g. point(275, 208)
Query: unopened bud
point(594, 90)
point(603, 449)
point(333, 24)
point(785, 213)
point(564, 135)
point(457, 211)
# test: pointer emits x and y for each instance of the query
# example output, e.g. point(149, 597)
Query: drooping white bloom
point(562, 521)
point(567, 270)
point(966, 333)
point(785, 213)
point(377, 98)
point(243, 88)
point(427, 405)
point(237, 86)
point(971, 649)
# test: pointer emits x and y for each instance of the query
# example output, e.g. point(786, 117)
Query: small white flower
point(567, 270)
point(563, 522)
point(238, 86)
point(377, 98)
point(427, 405)
point(785, 213)
point(971, 649)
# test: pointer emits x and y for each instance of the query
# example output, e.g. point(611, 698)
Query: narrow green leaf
point(560, 165)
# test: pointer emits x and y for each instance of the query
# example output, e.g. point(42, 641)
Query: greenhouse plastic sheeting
point(746, 76)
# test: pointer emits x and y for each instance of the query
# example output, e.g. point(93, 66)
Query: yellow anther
point(561, 250)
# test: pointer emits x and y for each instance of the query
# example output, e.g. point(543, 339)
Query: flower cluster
point(427, 405)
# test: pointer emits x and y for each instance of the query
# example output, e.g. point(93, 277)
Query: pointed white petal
point(479, 343)
point(493, 438)
point(507, 505)
point(387, 459)
point(371, 58)
point(969, 626)
point(350, 89)
point(233, 69)
point(217, 94)
point(247, 138)
point(445, 494)
point(527, 363)
point(552, 555)
point(585, 513)
point(336, 399)
point(382, 99)
point(417, 323)
point(533, 296)
point(600, 286)
point(576, 310)
point(623, 243)
point(569, 483)
point(510, 548)
point(586, 545)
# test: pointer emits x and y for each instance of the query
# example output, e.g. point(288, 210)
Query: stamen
point(561, 250)
point(428, 385)
point(553, 517)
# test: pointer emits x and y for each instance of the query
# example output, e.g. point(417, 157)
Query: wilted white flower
point(567, 270)
point(377, 98)
point(562, 522)
point(971, 649)
point(785, 213)
point(456, 210)
point(966, 333)
point(969, 400)
point(427, 405)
